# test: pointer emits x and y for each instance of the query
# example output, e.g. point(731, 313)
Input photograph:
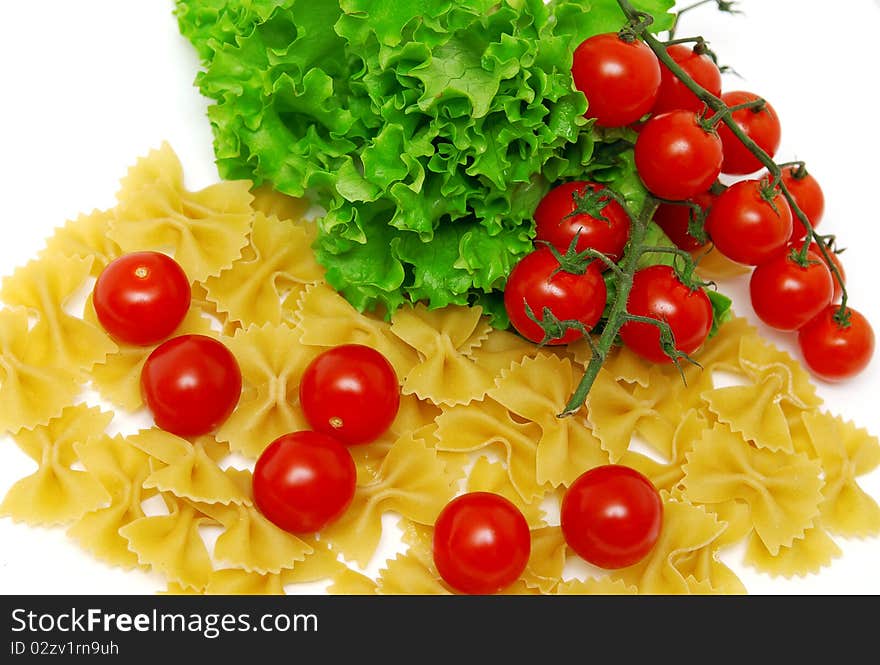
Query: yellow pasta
point(56, 493)
point(232, 581)
point(547, 559)
point(760, 359)
point(279, 260)
point(804, 556)
point(488, 476)
point(604, 586)
point(205, 230)
point(31, 392)
point(87, 238)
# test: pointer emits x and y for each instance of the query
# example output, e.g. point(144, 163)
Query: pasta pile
point(754, 460)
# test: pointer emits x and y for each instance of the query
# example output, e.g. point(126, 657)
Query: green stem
point(640, 22)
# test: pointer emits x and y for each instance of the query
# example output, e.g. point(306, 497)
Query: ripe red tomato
point(786, 295)
point(141, 298)
point(612, 516)
point(350, 392)
point(760, 126)
point(745, 227)
point(658, 293)
point(673, 94)
point(481, 543)
point(675, 221)
point(567, 295)
point(809, 198)
point(675, 157)
point(191, 383)
point(303, 481)
point(833, 352)
point(558, 224)
point(619, 78)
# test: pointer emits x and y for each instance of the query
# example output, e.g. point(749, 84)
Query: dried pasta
point(755, 465)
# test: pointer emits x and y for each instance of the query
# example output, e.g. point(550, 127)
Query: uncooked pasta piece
point(59, 339)
point(760, 358)
point(85, 237)
point(171, 543)
point(445, 374)
point(233, 581)
point(537, 390)
point(783, 490)
point(205, 230)
point(352, 583)
point(272, 361)
point(185, 469)
point(806, 555)
point(500, 349)
point(326, 319)
point(547, 559)
point(321, 564)
point(278, 260)
point(56, 493)
point(121, 469)
point(488, 476)
point(754, 411)
point(31, 392)
point(273, 203)
point(592, 586)
point(845, 452)
point(412, 481)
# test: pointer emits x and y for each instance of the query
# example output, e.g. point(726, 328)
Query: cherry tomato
point(677, 158)
point(558, 224)
point(760, 126)
point(481, 543)
point(834, 352)
point(303, 481)
point(141, 298)
point(619, 78)
point(612, 516)
point(350, 392)
point(809, 198)
point(786, 295)
point(675, 220)
point(745, 227)
point(191, 383)
point(673, 94)
point(658, 293)
point(835, 259)
point(536, 281)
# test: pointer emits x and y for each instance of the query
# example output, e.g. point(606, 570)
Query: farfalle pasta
point(752, 464)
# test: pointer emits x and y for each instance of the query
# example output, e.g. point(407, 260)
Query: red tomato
point(191, 384)
point(673, 94)
point(141, 298)
point(303, 481)
point(619, 78)
point(760, 126)
point(659, 294)
point(558, 224)
point(568, 296)
point(833, 352)
point(675, 157)
point(611, 516)
point(786, 295)
point(481, 543)
point(745, 227)
point(350, 392)
point(675, 220)
point(835, 259)
point(809, 198)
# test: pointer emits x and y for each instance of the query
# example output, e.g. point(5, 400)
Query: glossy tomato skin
point(191, 384)
point(675, 157)
point(745, 227)
point(612, 516)
point(140, 298)
point(556, 223)
point(481, 543)
point(761, 126)
point(569, 296)
point(303, 481)
point(659, 294)
point(786, 295)
point(673, 94)
point(350, 392)
point(809, 198)
point(834, 353)
point(620, 79)
point(675, 221)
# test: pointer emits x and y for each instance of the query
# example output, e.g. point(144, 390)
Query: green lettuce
point(427, 130)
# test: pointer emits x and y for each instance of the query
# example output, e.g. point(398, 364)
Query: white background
point(89, 86)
